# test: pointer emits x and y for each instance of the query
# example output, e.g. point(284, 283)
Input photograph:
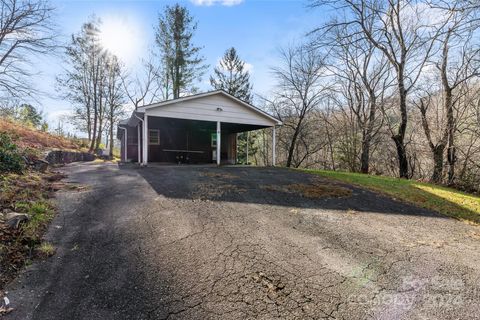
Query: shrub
point(10, 158)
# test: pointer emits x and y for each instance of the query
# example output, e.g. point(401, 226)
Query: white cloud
point(228, 3)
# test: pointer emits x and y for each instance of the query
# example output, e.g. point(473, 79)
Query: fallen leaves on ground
point(311, 190)
point(220, 175)
point(24, 193)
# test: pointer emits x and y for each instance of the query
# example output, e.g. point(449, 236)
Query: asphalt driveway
point(244, 243)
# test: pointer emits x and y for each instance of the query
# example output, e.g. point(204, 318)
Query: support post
point(138, 145)
point(219, 142)
point(126, 144)
point(145, 140)
point(248, 139)
point(273, 147)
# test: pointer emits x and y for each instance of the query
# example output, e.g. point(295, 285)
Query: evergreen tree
point(232, 77)
point(181, 60)
point(29, 115)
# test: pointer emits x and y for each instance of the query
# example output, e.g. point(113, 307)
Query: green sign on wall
point(213, 139)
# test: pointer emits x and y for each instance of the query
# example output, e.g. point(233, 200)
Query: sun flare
point(121, 37)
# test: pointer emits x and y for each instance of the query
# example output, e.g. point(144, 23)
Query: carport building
point(200, 128)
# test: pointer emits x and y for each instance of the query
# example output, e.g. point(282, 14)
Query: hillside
point(28, 137)
point(25, 193)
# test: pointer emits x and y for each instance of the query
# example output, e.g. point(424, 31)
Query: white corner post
point(248, 139)
point(273, 147)
point(219, 143)
point(138, 144)
point(145, 140)
point(125, 144)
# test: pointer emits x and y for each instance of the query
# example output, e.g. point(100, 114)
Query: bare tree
point(146, 86)
point(455, 65)
point(299, 91)
point(456, 70)
point(115, 96)
point(26, 30)
point(437, 146)
point(360, 81)
point(397, 28)
point(83, 81)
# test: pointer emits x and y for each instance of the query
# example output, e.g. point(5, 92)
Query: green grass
point(46, 249)
point(28, 193)
point(447, 201)
point(41, 213)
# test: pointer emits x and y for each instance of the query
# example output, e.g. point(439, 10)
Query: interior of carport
point(193, 141)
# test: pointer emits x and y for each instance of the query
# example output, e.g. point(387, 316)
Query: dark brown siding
point(132, 142)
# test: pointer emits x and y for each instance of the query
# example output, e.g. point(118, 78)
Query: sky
point(256, 28)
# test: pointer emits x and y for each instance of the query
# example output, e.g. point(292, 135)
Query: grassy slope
point(447, 201)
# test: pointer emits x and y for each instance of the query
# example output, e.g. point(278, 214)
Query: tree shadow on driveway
point(151, 243)
point(272, 186)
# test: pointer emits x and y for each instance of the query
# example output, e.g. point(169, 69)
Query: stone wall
point(61, 157)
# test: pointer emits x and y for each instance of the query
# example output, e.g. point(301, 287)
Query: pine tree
point(181, 60)
point(232, 76)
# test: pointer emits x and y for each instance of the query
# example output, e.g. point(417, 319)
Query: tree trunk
point(365, 156)
point(176, 80)
point(94, 132)
point(451, 152)
point(99, 138)
point(330, 147)
point(89, 121)
point(402, 129)
point(100, 128)
point(291, 148)
point(438, 152)
point(95, 105)
point(437, 149)
point(110, 151)
point(448, 101)
point(451, 159)
point(367, 137)
point(402, 156)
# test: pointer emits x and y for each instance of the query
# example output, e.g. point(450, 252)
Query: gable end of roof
point(210, 93)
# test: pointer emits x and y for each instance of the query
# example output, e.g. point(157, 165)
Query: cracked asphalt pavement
point(221, 243)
